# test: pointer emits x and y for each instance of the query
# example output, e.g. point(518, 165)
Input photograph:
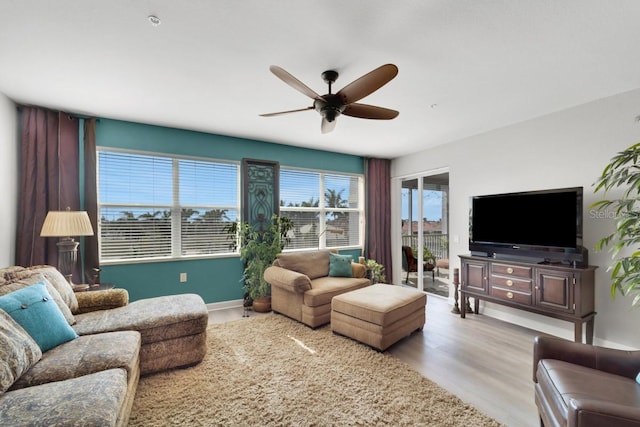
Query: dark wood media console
point(553, 290)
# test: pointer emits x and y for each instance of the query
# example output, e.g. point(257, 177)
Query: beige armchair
point(302, 289)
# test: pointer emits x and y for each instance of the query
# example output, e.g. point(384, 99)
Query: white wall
point(8, 179)
point(563, 149)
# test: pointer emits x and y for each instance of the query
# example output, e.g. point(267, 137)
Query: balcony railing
point(438, 243)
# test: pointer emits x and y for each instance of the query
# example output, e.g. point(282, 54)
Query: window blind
point(332, 220)
point(154, 206)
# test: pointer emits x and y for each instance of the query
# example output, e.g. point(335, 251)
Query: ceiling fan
point(345, 100)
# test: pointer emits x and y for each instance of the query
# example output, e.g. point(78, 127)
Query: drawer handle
point(510, 295)
point(509, 270)
point(509, 282)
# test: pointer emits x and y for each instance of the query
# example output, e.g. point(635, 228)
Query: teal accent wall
point(135, 136)
point(217, 279)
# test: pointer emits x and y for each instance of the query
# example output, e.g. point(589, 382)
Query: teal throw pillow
point(34, 309)
point(340, 265)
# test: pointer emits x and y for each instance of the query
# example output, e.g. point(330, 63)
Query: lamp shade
point(66, 224)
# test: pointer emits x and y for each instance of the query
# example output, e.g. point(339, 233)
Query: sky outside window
point(431, 205)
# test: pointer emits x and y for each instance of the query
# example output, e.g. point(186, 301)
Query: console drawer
point(512, 270)
point(512, 296)
point(512, 284)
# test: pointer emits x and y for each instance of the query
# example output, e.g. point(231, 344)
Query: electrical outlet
point(183, 277)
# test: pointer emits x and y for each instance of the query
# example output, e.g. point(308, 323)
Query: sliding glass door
point(425, 233)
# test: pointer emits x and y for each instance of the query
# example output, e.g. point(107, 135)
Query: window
point(154, 206)
point(326, 208)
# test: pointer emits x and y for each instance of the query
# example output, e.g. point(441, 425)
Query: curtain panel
point(378, 207)
point(91, 257)
point(49, 180)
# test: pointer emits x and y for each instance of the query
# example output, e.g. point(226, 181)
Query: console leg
point(467, 304)
point(589, 332)
point(577, 336)
point(463, 308)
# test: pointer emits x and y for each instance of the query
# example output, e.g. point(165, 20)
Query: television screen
point(534, 220)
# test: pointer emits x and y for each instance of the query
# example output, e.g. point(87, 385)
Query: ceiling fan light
point(330, 114)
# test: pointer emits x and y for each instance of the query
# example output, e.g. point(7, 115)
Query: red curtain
point(378, 207)
point(49, 180)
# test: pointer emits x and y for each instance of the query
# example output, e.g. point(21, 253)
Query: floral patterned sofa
point(91, 378)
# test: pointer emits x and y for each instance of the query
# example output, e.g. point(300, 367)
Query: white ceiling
point(466, 66)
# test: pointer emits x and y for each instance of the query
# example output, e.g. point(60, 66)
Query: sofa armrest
point(584, 411)
point(287, 279)
point(619, 362)
point(101, 300)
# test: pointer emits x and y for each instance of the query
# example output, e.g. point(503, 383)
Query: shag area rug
point(272, 371)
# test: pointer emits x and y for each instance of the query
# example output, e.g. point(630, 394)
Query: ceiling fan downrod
point(330, 106)
point(329, 77)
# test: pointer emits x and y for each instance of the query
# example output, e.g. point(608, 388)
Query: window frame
point(176, 244)
point(322, 210)
point(175, 208)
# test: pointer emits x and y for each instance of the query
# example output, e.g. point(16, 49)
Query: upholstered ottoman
point(378, 315)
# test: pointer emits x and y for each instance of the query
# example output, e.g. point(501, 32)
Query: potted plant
point(429, 258)
point(622, 174)
point(259, 246)
point(375, 271)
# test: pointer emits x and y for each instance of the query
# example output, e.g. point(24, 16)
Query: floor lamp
point(65, 224)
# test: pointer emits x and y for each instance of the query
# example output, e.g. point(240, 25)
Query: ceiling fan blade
point(293, 82)
point(365, 111)
point(285, 112)
point(368, 83)
point(327, 126)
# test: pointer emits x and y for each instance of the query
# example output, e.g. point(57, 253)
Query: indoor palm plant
point(259, 246)
point(622, 178)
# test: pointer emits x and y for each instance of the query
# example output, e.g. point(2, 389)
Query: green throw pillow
point(340, 265)
point(34, 309)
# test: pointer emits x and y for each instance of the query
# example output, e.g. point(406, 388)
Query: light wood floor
point(484, 361)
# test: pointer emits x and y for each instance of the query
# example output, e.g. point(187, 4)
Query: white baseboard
point(544, 324)
point(224, 305)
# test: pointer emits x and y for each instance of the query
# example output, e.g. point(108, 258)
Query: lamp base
point(67, 257)
point(79, 288)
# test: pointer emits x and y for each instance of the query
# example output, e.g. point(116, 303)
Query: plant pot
point(262, 305)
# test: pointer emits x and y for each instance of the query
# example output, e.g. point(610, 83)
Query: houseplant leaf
point(622, 173)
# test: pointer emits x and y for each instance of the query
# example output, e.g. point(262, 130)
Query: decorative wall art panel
point(260, 188)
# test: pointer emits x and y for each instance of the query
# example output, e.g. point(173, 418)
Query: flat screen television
point(544, 224)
